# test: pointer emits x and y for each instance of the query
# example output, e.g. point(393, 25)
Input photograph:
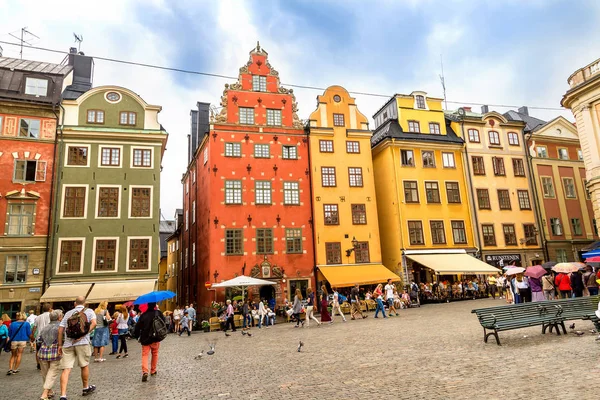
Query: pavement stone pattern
point(433, 352)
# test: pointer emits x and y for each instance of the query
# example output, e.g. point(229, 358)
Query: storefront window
point(301, 284)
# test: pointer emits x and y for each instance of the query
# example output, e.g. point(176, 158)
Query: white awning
point(243, 281)
point(65, 292)
point(453, 263)
point(120, 290)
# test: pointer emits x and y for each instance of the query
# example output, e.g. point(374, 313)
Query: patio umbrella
point(549, 264)
point(154, 297)
point(515, 270)
point(536, 271)
point(242, 282)
point(591, 253)
point(593, 259)
point(128, 304)
point(565, 268)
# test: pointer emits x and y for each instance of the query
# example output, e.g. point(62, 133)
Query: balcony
point(584, 74)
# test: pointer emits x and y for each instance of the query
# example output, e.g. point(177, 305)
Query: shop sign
point(35, 271)
point(34, 290)
point(503, 260)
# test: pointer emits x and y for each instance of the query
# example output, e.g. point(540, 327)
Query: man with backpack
point(76, 326)
point(150, 330)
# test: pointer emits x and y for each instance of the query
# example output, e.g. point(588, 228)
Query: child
point(184, 324)
point(114, 332)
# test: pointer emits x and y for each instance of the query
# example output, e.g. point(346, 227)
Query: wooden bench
point(578, 308)
point(215, 324)
point(371, 304)
point(516, 316)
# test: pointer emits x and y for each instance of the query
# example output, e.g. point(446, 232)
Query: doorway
point(10, 308)
point(267, 293)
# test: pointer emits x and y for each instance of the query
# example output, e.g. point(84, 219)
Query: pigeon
point(227, 334)
point(579, 333)
point(249, 334)
point(244, 333)
point(572, 326)
point(212, 350)
point(598, 338)
point(199, 356)
point(593, 331)
point(300, 344)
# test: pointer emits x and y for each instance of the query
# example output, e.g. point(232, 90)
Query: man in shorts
point(355, 302)
point(389, 297)
point(76, 349)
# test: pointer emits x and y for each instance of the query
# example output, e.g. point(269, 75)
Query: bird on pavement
point(199, 356)
point(579, 333)
point(249, 334)
point(227, 334)
point(598, 338)
point(212, 350)
point(244, 333)
point(300, 344)
point(572, 326)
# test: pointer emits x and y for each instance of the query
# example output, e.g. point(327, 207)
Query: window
point(530, 234)
point(352, 147)
point(293, 241)
point(561, 255)
point(113, 97)
point(141, 197)
point(70, 255)
point(556, 227)
point(498, 164)
point(518, 168)
point(595, 226)
point(576, 226)
point(547, 186)
point(1, 119)
point(16, 269)
point(262, 192)
point(77, 155)
point(233, 242)
point(355, 176)
point(510, 237)
point(246, 115)
point(563, 154)
point(478, 165)
point(194, 212)
point(432, 192)
point(415, 232)
point(569, 186)
point(259, 83)
point(437, 232)
point(264, 241)
point(142, 158)
point(494, 138)
point(513, 139)
point(504, 199)
point(95, 117)
point(483, 199)
point(233, 192)
point(428, 159)
point(233, 150)
point(361, 253)
point(338, 120)
point(448, 160)
point(489, 237)
point(127, 118)
point(74, 206)
point(36, 87)
point(291, 193)
point(542, 151)
point(30, 171)
point(420, 101)
point(453, 192)
point(524, 203)
point(328, 176)
point(407, 158)
point(273, 117)
point(333, 252)
point(326, 146)
point(434, 128)
point(586, 189)
point(108, 202)
point(105, 255)
point(193, 253)
point(187, 219)
point(459, 233)
point(262, 151)
point(29, 128)
point(111, 157)
point(411, 192)
point(473, 135)
point(331, 214)
point(579, 152)
point(290, 152)
point(359, 214)
point(20, 219)
point(413, 126)
point(205, 156)
point(139, 254)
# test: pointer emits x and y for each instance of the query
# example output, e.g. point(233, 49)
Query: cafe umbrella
point(154, 297)
point(515, 270)
point(536, 271)
point(242, 282)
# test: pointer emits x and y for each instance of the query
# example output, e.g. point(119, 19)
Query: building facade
point(247, 192)
point(174, 261)
point(165, 230)
point(29, 97)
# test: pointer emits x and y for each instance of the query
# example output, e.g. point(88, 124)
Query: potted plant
point(205, 326)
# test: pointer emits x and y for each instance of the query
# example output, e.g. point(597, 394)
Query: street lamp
point(354, 246)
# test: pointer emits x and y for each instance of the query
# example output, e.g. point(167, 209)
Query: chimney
point(467, 109)
point(83, 69)
point(200, 125)
point(485, 109)
point(523, 110)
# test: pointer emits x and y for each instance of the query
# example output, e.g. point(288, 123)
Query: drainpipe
point(470, 179)
point(533, 188)
point(312, 213)
point(404, 265)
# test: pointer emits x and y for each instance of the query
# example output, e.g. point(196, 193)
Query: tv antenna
point(78, 40)
point(24, 39)
point(443, 81)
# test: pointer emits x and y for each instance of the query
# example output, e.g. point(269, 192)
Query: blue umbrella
point(154, 297)
point(591, 253)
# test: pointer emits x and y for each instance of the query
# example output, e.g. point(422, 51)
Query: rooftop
point(16, 64)
point(392, 129)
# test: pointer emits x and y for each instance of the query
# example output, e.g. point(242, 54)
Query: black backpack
point(77, 325)
point(159, 329)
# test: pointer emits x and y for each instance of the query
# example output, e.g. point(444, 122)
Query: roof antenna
point(78, 40)
point(443, 81)
point(24, 39)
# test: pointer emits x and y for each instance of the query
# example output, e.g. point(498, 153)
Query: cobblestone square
point(432, 352)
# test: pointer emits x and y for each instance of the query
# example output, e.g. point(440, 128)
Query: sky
point(496, 52)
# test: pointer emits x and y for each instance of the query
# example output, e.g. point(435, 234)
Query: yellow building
point(343, 190)
point(499, 181)
point(173, 261)
point(422, 198)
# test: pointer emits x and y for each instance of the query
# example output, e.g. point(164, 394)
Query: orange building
point(247, 207)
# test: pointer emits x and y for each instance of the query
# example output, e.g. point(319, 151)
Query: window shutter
point(40, 172)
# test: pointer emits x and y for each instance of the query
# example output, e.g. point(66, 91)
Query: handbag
point(49, 353)
point(8, 343)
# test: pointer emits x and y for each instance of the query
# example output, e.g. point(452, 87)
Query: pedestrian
point(548, 287)
point(101, 334)
point(535, 285)
point(114, 334)
point(49, 358)
point(589, 279)
point(564, 285)
point(19, 333)
point(336, 305)
point(185, 327)
point(297, 308)
point(191, 317)
point(76, 347)
point(262, 313)
point(324, 304)
point(500, 286)
point(492, 286)
point(123, 326)
point(31, 321)
point(246, 317)
point(310, 303)
point(41, 321)
point(378, 294)
point(355, 303)
point(150, 338)
point(229, 313)
point(389, 297)
point(577, 284)
point(177, 314)
point(3, 335)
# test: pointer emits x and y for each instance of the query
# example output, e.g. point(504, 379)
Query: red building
point(247, 206)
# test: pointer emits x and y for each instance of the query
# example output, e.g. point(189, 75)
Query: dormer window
point(420, 102)
point(36, 87)
point(414, 126)
point(95, 117)
point(127, 118)
point(259, 83)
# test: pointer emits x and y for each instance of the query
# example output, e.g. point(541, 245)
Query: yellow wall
point(407, 112)
point(355, 129)
point(172, 261)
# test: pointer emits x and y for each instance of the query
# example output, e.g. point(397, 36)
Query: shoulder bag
point(8, 342)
